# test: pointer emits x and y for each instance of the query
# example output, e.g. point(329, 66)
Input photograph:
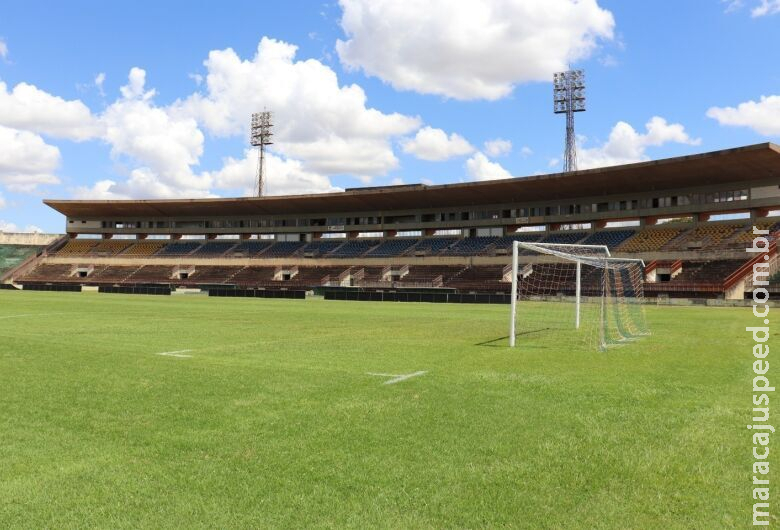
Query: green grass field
point(274, 422)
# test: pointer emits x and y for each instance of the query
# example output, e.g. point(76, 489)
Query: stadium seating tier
point(465, 277)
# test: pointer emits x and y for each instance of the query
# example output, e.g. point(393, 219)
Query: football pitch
point(155, 412)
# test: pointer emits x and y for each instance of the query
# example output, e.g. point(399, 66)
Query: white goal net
point(574, 297)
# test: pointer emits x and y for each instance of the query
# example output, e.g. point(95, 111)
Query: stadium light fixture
point(568, 98)
point(260, 136)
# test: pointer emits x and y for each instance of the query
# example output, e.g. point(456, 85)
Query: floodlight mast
point(260, 136)
point(568, 98)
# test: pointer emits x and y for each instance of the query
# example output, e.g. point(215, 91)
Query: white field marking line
point(31, 315)
point(178, 353)
point(398, 377)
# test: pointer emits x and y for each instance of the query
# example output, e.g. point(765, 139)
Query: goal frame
point(516, 245)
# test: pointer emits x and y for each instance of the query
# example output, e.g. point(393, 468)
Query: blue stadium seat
point(323, 247)
point(354, 248)
point(393, 247)
point(283, 249)
point(434, 245)
point(252, 246)
point(178, 248)
point(471, 246)
point(506, 241)
point(564, 238)
point(611, 238)
point(214, 248)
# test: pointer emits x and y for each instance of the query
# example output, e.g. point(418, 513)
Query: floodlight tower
point(260, 136)
point(568, 98)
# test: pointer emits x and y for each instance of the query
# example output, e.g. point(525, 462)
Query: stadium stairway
point(354, 248)
point(214, 248)
point(249, 248)
point(179, 248)
point(432, 246)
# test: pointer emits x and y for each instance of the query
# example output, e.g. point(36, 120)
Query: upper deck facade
point(744, 179)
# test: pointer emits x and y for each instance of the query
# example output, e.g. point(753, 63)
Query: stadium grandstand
point(689, 218)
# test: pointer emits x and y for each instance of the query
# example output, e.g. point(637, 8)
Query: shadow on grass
point(492, 343)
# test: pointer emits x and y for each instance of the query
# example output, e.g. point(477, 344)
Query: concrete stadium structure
point(689, 218)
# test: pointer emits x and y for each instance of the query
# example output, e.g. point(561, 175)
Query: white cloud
point(134, 89)
point(498, 147)
point(11, 228)
point(27, 107)
point(327, 127)
point(479, 167)
point(142, 183)
point(762, 116)
point(163, 144)
point(145, 183)
point(360, 157)
point(526, 151)
point(469, 50)
point(26, 161)
point(434, 145)
point(608, 61)
point(99, 80)
point(625, 145)
point(733, 5)
point(322, 129)
point(101, 190)
point(284, 176)
point(2, 202)
point(766, 7)
point(3, 49)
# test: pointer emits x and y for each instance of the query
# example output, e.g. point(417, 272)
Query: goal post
point(575, 295)
point(578, 295)
point(513, 299)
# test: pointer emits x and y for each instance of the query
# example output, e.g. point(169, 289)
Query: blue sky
point(139, 100)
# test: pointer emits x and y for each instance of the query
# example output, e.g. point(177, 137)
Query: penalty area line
point(178, 353)
point(397, 378)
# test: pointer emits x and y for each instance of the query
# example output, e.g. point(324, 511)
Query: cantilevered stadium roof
point(741, 164)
